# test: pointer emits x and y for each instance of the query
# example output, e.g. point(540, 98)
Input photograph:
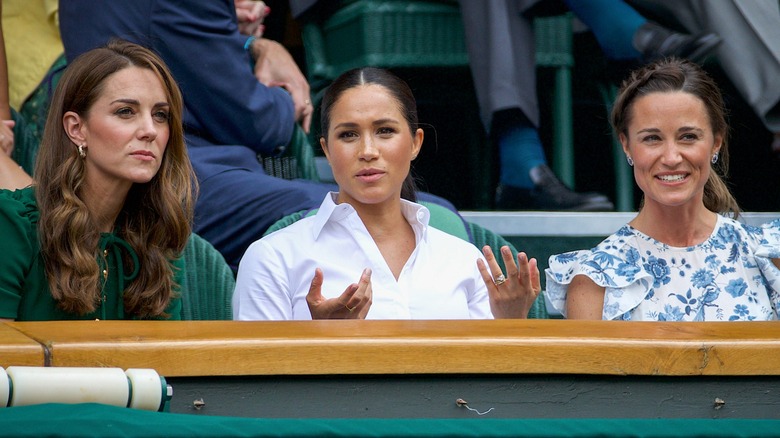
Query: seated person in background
point(371, 230)
point(11, 175)
point(97, 234)
point(681, 258)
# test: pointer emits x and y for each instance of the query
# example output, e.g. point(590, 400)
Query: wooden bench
point(414, 369)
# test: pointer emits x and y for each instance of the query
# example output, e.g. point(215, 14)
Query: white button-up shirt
point(439, 281)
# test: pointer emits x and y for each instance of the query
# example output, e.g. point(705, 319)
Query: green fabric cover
point(207, 284)
point(94, 420)
point(297, 160)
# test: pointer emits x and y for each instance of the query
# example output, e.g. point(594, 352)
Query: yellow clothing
point(32, 44)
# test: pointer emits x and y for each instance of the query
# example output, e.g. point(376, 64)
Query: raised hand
point(353, 303)
point(511, 296)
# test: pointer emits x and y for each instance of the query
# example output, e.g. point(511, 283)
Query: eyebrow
point(681, 129)
point(136, 102)
point(374, 123)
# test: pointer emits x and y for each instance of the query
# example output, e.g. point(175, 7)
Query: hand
point(250, 14)
point(513, 297)
point(275, 67)
point(7, 137)
point(352, 304)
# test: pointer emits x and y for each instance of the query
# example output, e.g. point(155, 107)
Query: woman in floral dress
point(685, 256)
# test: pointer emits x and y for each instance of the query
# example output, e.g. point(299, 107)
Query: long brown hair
point(672, 74)
point(156, 217)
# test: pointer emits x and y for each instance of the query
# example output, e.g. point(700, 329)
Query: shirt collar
point(417, 215)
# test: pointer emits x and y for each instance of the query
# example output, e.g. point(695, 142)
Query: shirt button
point(105, 274)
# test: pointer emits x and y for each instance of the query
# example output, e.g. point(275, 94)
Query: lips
point(143, 155)
point(369, 175)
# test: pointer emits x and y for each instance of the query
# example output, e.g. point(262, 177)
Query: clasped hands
point(512, 297)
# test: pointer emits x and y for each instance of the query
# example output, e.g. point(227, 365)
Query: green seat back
point(207, 284)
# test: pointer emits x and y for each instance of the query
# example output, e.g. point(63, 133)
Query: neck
point(383, 220)
point(104, 204)
point(676, 226)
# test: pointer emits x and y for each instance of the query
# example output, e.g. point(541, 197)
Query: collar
point(417, 215)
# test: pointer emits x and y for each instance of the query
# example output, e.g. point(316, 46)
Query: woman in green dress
point(98, 234)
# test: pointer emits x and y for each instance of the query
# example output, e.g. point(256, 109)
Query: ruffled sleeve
point(615, 264)
point(767, 250)
point(18, 228)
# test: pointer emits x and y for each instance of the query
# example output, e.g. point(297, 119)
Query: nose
point(147, 130)
point(368, 149)
point(671, 154)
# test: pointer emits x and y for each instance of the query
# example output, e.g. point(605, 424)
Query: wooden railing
point(217, 348)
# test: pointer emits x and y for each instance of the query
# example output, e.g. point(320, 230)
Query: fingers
point(359, 302)
point(528, 273)
point(492, 263)
point(314, 297)
point(7, 137)
point(306, 122)
point(536, 284)
point(353, 303)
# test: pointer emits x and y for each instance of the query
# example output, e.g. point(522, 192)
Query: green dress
point(24, 288)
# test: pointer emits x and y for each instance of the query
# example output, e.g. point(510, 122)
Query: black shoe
point(549, 193)
point(654, 41)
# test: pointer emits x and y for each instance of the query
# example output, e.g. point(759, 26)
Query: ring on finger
point(500, 280)
point(307, 102)
point(350, 309)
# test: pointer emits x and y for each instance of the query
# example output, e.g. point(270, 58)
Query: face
point(671, 141)
point(126, 130)
point(369, 146)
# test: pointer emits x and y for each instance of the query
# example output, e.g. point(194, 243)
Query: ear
point(74, 127)
point(324, 147)
point(417, 142)
point(624, 142)
point(717, 144)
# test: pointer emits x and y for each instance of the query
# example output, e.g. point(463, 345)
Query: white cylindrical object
point(147, 389)
point(36, 385)
point(5, 388)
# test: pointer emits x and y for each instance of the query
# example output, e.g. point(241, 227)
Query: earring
point(630, 161)
point(82, 152)
point(715, 158)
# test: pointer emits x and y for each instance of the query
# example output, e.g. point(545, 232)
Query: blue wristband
point(248, 43)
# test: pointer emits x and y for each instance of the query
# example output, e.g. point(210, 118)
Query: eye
point(385, 131)
point(124, 111)
point(346, 135)
point(651, 138)
point(689, 136)
point(161, 116)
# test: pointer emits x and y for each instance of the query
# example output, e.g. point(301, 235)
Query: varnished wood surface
point(18, 349)
point(224, 348)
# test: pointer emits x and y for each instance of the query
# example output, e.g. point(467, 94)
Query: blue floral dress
point(728, 277)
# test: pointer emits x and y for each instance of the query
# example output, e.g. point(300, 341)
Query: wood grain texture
point(18, 349)
point(224, 348)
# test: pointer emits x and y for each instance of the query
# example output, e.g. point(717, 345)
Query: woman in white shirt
point(372, 231)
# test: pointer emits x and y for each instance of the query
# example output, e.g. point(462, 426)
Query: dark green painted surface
point(510, 396)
